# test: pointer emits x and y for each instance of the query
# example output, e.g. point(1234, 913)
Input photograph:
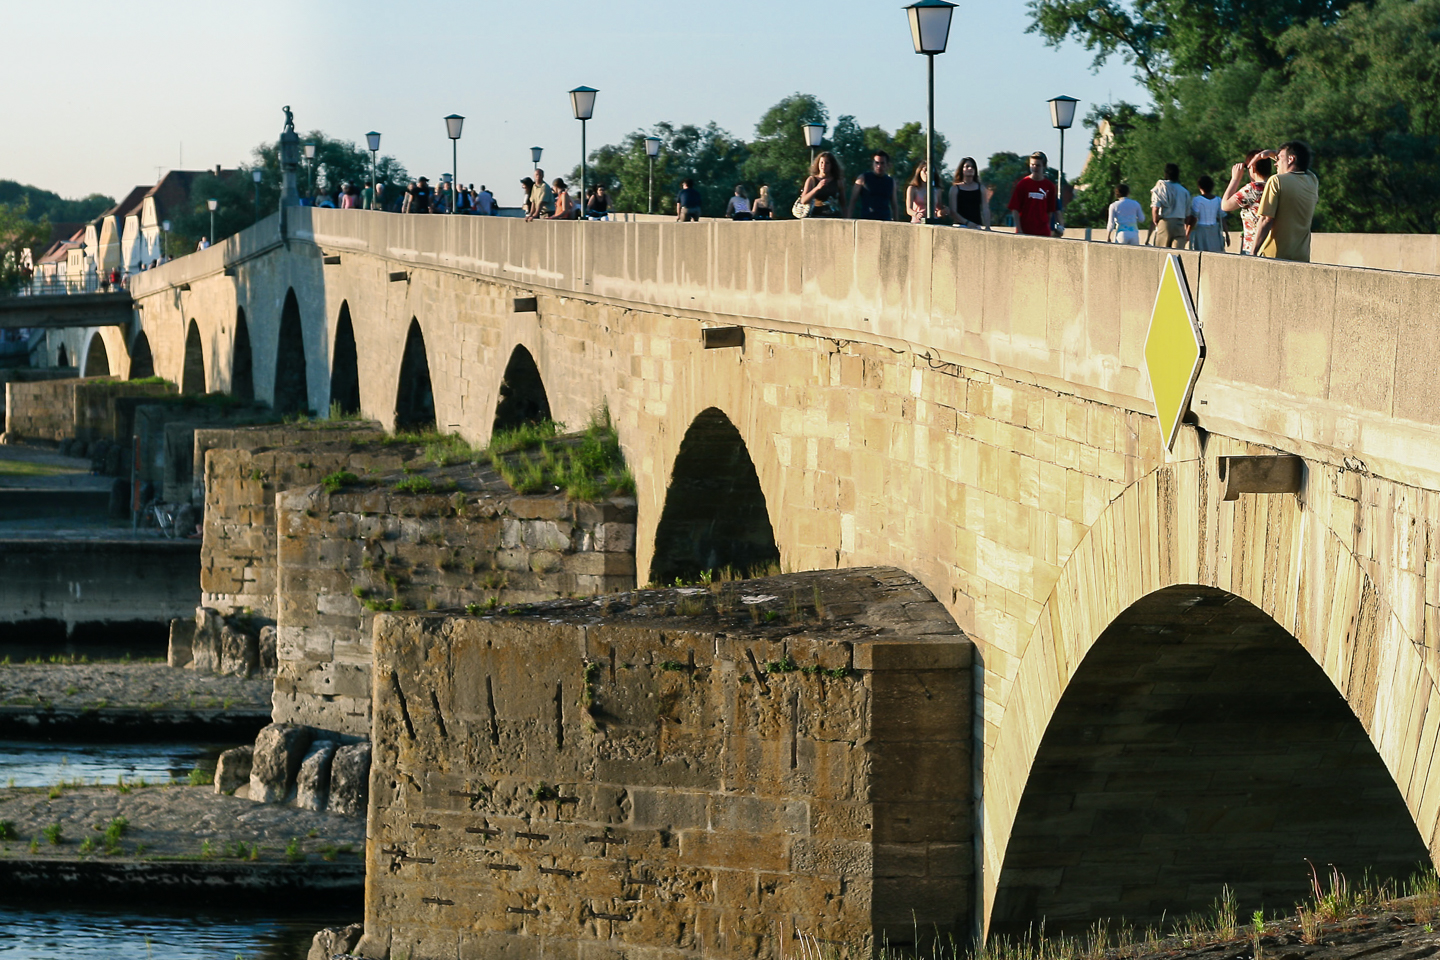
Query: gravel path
point(171, 822)
point(151, 686)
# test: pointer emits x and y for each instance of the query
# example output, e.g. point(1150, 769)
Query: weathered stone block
point(279, 750)
point(239, 652)
point(205, 644)
point(312, 780)
point(232, 770)
point(350, 780)
point(335, 941)
point(182, 636)
point(266, 647)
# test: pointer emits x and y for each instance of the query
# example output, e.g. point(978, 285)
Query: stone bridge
point(1174, 690)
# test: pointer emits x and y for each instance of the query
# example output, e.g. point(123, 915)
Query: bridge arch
point(192, 375)
point(142, 362)
point(1153, 569)
point(715, 515)
point(97, 359)
point(292, 388)
point(242, 360)
point(62, 357)
point(345, 365)
point(414, 396)
point(521, 398)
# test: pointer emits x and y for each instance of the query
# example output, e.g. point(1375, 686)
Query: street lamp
point(164, 239)
point(1062, 114)
point(453, 123)
point(212, 204)
point(257, 174)
point(930, 31)
point(310, 169)
point(582, 101)
point(814, 137)
point(535, 155)
point(373, 140)
point(652, 150)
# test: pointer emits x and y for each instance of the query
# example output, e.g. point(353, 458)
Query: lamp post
point(535, 155)
point(582, 102)
point(257, 174)
point(164, 239)
point(1062, 114)
point(652, 150)
point(310, 169)
point(372, 139)
point(453, 123)
point(814, 137)
point(930, 32)
point(212, 203)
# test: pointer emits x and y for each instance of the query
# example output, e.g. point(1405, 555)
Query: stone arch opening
point(414, 399)
point(192, 376)
point(142, 363)
point(1197, 744)
point(345, 366)
point(292, 388)
point(715, 515)
point(97, 358)
point(522, 393)
point(62, 357)
point(242, 362)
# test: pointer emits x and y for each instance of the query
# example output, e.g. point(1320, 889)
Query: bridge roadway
point(973, 408)
point(112, 308)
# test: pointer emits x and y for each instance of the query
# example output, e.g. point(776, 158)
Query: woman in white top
point(738, 207)
point(1203, 227)
point(1122, 223)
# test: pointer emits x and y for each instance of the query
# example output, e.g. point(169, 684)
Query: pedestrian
point(1205, 225)
point(542, 198)
point(873, 197)
point(738, 206)
point(204, 244)
point(969, 198)
point(1034, 201)
point(485, 202)
point(564, 204)
point(687, 201)
point(349, 197)
point(528, 186)
point(407, 201)
point(763, 208)
point(1122, 222)
point(1243, 193)
point(824, 187)
point(599, 206)
point(1287, 207)
point(919, 207)
point(379, 203)
point(1169, 208)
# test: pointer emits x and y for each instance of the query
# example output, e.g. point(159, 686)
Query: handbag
point(800, 209)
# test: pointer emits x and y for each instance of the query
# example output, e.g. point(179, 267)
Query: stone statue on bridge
point(289, 120)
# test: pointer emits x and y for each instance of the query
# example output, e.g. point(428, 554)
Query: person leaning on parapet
point(598, 206)
point(1034, 201)
point(527, 186)
point(1169, 206)
point(565, 208)
point(969, 198)
point(484, 202)
point(1205, 227)
point(1122, 222)
point(738, 206)
point(687, 201)
point(874, 194)
point(763, 208)
point(542, 198)
point(1243, 193)
point(1287, 207)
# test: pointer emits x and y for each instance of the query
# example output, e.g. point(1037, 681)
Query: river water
point(34, 763)
point(73, 932)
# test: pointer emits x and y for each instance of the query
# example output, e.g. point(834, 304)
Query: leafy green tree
point(709, 154)
point(44, 205)
point(778, 154)
point(18, 233)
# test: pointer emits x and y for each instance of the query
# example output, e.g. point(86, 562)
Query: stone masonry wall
point(243, 469)
point(679, 773)
point(347, 554)
point(82, 407)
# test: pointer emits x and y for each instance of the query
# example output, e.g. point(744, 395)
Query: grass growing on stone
point(590, 467)
point(338, 479)
point(27, 468)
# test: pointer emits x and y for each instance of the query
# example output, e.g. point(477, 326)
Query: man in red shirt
point(1033, 201)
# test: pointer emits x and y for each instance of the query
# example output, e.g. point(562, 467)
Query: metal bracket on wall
point(185, 286)
point(399, 276)
point(717, 337)
point(525, 305)
point(230, 271)
point(332, 258)
point(1278, 474)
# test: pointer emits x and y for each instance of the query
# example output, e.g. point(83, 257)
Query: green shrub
point(341, 478)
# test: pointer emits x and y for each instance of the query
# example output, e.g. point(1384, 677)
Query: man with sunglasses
point(875, 189)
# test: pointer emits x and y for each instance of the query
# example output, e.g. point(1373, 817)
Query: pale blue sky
point(113, 90)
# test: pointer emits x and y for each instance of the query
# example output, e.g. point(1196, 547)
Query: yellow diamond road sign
point(1174, 349)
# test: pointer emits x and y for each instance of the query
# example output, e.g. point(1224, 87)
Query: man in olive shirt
point(1287, 205)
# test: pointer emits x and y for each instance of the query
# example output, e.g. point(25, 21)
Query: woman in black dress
point(825, 186)
point(969, 199)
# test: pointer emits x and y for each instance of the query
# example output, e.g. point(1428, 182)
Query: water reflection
point(28, 763)
point(65, 933)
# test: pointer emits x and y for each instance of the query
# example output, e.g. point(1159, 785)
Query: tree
point(19, 233)
point(44, 205)
point(778, 154)
point(709, 154)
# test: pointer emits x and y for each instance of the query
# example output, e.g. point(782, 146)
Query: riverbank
point(186, 840)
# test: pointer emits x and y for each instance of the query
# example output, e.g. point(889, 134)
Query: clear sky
point(99, 96)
